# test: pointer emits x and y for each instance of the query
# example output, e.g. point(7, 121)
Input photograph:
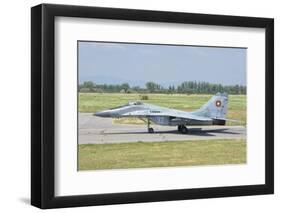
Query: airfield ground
point(97, 130)
point(165, 154)
point(114, 144)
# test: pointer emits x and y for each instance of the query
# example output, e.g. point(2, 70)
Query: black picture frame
point(43, 105)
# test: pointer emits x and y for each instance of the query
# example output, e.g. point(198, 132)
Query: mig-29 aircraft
point(211, 113)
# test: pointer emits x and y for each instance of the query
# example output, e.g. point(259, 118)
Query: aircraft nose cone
point(102, 114)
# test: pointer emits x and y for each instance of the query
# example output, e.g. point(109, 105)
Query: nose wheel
point(182, 129)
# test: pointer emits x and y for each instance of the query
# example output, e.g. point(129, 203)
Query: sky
point(136, 64)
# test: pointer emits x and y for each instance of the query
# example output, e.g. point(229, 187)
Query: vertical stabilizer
point(215, 108)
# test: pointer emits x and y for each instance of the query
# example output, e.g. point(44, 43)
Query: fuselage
point(156, 114)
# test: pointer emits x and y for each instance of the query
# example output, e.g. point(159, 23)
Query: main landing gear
point(150, 129)
point(182, 129)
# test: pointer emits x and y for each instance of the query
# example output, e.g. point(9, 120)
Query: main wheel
point(150, 130)
point(184, 130)
point(179, 128)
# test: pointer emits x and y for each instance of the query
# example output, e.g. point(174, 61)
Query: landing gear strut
point(150, 129)
point(182, 129)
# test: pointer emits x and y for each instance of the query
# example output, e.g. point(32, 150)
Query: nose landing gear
point(182, 129)
point(150, 129)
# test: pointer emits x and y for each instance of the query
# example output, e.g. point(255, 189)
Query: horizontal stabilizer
point(225, 119)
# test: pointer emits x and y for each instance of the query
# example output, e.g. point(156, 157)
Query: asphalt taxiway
point(96, 130)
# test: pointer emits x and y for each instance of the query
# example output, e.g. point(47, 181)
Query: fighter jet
point(211, 113)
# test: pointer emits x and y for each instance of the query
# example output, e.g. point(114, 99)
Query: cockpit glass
point(120, 106)
point(136, 103)
point(129, 104)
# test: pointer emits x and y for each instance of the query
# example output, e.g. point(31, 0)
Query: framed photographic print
point(139, 106)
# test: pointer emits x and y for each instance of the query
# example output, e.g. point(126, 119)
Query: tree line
point(186, 87)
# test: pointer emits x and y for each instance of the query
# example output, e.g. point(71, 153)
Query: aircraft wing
point(195, 117)
point(171, 113)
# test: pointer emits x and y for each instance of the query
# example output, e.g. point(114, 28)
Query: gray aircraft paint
point(211, 113)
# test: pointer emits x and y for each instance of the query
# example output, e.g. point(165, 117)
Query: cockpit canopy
point(135, 103)
point(129, 104)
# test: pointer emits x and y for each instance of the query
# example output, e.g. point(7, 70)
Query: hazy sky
point(115, 63)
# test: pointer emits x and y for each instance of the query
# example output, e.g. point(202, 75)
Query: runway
point(96, 130)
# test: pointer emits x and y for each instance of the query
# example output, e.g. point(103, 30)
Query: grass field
point(161, 154)
point(93, 102)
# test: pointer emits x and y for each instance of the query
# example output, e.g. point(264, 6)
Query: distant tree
point(88, 84)
point(151, 86)
point(187, 87)
point(125, 87)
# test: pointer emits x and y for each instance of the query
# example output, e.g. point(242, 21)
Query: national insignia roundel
point(218, 103)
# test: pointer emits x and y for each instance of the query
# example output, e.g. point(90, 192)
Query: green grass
point(161, 154)
point(93, 102)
